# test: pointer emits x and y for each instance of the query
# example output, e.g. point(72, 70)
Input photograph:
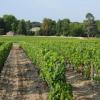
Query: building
point(35, 29)
point(10, 33)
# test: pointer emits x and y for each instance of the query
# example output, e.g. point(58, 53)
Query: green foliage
point(48, 27)
point(36, 24)
point(53, 55)
point(98, 28)
point(14, 27)
point(2, 26)
point(9, 20)
point(4, 51)
point(28, 28)
point(76, 29)
point(1, 31)
point(21, 29)
point(63, 27)
point(10, 23)
point(90, 26)
point(52, 69)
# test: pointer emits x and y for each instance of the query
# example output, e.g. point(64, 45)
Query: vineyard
point(54, 57)
point(4, 51)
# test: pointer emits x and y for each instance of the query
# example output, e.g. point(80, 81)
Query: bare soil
point(19, 79)
point(82, 89)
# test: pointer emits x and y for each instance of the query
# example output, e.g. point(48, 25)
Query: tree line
point(63, 27)
point(10, 23)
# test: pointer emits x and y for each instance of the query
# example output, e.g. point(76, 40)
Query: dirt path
point(82, 89)
point(19, 79)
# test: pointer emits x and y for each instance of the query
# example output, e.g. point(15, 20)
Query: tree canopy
point(49, 27)
point(90, 26)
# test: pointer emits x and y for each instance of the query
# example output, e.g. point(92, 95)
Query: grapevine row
point(52, 69)
point(4, 52)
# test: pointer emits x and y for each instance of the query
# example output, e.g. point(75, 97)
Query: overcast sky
point(36, 10)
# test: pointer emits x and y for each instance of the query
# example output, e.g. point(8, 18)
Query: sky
point(36, 10)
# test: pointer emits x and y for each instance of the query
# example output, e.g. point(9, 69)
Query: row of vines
point(4, 52)
point(52, 70)
point(53, 56)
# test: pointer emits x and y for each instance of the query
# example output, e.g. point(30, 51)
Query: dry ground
point(20, 80)
point(82, 89)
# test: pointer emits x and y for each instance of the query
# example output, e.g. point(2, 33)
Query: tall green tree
point(45, 26)
point(63, 27)
point(36, 24)
point(21, 29)
point(58, 28)
point(14, 26)
point(9, 20)
point(90, 25)
point(52, 28)
point(76, 29)
point(98, 27)
point(28, 27)
point(2, 26)
point(48, 27)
